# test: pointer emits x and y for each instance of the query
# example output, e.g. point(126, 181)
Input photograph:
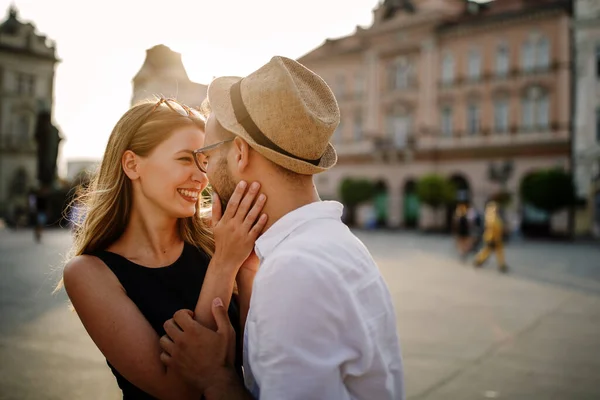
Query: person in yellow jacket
point(492, 238)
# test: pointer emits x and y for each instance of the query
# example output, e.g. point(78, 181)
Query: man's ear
point(242, 154)
point(130, 164)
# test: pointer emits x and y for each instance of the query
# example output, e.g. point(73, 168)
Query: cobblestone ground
point(466, 334)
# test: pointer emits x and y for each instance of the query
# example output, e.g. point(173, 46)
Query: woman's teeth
point(188, 193)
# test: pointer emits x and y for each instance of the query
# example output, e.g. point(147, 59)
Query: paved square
point(465, 333)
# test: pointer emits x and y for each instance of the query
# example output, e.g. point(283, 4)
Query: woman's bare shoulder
point(85, 267)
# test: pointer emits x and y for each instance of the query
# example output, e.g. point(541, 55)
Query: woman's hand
point(239, 226)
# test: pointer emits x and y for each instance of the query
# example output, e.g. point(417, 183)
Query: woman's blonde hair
point(107, 201)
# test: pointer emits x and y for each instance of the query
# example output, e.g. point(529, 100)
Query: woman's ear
point(130, 164)
point(242, 153)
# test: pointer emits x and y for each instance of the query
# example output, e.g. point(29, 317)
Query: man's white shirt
point(321, 323)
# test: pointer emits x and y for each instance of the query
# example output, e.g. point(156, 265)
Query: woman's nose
point(199, 176)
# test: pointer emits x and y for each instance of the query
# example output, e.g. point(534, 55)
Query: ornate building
point(27, 63)
point(163, 74)
point(452, 87)
point(587, 116)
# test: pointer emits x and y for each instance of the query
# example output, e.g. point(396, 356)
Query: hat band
point(244, 119)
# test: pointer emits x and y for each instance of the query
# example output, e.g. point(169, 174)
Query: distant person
point(146, 247)
point(493, 238)
point(462, 229)
point(41, 216)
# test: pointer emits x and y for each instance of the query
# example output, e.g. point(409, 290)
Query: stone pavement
point(475, 334)
point(466, 334)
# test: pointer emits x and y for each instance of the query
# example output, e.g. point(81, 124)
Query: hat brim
point(221, 106)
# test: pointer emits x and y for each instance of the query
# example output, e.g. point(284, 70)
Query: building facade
point(450, 87)
point(163, 74)
point(27, 64)
point(587, 116)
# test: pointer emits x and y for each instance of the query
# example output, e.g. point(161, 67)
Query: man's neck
point(282, 200)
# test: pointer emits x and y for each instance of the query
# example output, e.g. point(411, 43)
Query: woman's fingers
point(234, 201)
point(216, 209)
point(254, 213)
point(258, 227)
point(247, 201)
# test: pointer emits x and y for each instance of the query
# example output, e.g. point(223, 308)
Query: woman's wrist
point(223, 266)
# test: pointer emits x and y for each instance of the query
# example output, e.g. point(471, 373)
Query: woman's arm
point(236, 230)
point(119, 329)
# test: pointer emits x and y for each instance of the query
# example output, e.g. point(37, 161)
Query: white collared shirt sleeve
point(302, 342)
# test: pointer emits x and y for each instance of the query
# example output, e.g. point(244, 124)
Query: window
point(535, 53)
point(448, 69)
point(502, 60)
point(446, 121)
point(398, 128)
point(527, 109)
point(400, 73)
point(358, 126)
point(528, 56)
point(474, 67)
point(543, 118)
point(501, 115)
point(26, 84)
point(543, 53)
point(535, 109)
point(473, 119)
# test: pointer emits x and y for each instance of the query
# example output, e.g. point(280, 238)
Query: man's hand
point(199, 354)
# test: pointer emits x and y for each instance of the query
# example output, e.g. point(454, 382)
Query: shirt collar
point(291, 221)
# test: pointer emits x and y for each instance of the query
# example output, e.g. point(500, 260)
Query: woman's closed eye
point(186, 159)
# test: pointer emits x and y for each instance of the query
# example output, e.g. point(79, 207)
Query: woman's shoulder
point(87, 268)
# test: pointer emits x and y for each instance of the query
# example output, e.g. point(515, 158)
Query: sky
point(102, 45)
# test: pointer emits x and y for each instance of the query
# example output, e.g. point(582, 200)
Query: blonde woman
point(144, 250)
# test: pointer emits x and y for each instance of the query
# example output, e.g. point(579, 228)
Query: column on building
point(427, 107)
point(372, 69)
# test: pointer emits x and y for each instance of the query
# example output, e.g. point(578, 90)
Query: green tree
point(353, 192)
point(550, 190)
point(435, 191)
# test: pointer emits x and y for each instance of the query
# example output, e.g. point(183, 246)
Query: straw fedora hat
point(285, 112)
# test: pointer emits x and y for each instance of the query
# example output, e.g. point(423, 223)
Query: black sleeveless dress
point(160, 292)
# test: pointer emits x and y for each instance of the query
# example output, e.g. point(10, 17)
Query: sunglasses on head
point(179, 108)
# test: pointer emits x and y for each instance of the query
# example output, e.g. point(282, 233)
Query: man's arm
point(202, 356)
point(227, 386)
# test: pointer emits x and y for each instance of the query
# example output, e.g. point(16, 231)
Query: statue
point(48, 138)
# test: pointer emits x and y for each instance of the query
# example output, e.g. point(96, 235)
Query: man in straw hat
point(321, 323)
